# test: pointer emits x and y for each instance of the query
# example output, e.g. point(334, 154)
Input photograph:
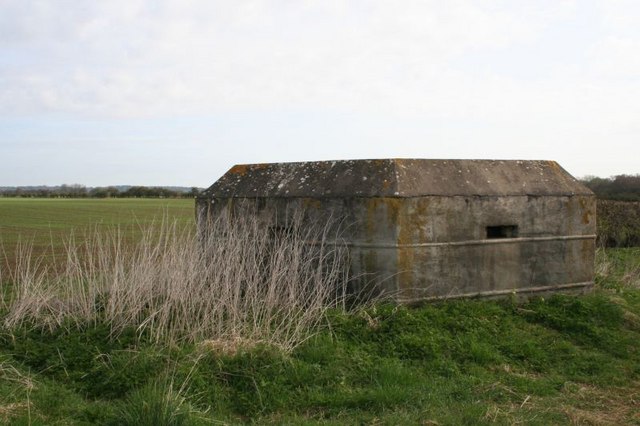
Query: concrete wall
point(419, 248)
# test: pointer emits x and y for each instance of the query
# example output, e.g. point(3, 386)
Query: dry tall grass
point(624, 273)
point(241, 282)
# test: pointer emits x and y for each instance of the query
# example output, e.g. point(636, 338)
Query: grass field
point(559, 360)
point(48, 222)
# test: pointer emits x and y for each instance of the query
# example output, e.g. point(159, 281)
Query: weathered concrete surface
point(396, 178)
point(417, 229)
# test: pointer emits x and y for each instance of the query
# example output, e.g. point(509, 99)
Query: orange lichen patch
point(569, 208)
point(243, 169)
point(587, 213)
point(406, 266)
point(371, 219)
point(419, 219)
point(260, 166)
point(555, 167)
point(239, 169)
point(411, 222)
point(410, 231)
point(393, 206)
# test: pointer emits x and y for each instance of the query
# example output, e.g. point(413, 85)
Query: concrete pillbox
point(422, 229)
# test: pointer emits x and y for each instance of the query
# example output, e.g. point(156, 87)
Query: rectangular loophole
point(502, 231)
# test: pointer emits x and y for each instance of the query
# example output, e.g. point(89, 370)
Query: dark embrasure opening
point(502, 231)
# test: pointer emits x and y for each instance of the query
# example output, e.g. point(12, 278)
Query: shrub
point(618, 223)
point(239, 282)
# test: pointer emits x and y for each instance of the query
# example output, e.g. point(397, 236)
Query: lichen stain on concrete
point(405, 259)
point(243, 169)
point(406, 271)
point(380, 163)
point(569, 208)
point(586, 211)
point(393, 206)
point(239, 169)
point(411, 230)
point(412, 220)
point(371, 221)
point(387, 208)
point(554, 166)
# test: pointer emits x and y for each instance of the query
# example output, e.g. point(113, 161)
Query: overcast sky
point(174, 92)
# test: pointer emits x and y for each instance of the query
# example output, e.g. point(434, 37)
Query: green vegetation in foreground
point(47, 222)
point(565, 359)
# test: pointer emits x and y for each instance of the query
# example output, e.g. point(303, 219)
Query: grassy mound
point(550, 361)
point(160, 335)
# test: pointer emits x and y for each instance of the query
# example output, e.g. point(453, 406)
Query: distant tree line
point(619, 188)
point(81, 191)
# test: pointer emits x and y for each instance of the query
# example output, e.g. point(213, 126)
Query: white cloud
point(616, 57)
point(137, 58)
point(549, 78)
point(621, 16)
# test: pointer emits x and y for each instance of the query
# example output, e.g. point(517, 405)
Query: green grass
point(49, 221)
point(550, 361)
point(559, 360)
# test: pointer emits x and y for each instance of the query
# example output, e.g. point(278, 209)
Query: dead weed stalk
point(239, 281)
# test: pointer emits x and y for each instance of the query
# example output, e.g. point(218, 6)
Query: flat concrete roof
point(396, 178)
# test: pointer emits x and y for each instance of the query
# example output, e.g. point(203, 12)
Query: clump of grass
point(603, 265)
point(631, 276)
point(19, 383)
point(10, 373)
point(239, 281)
point(158, 403)
point(618, 268)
